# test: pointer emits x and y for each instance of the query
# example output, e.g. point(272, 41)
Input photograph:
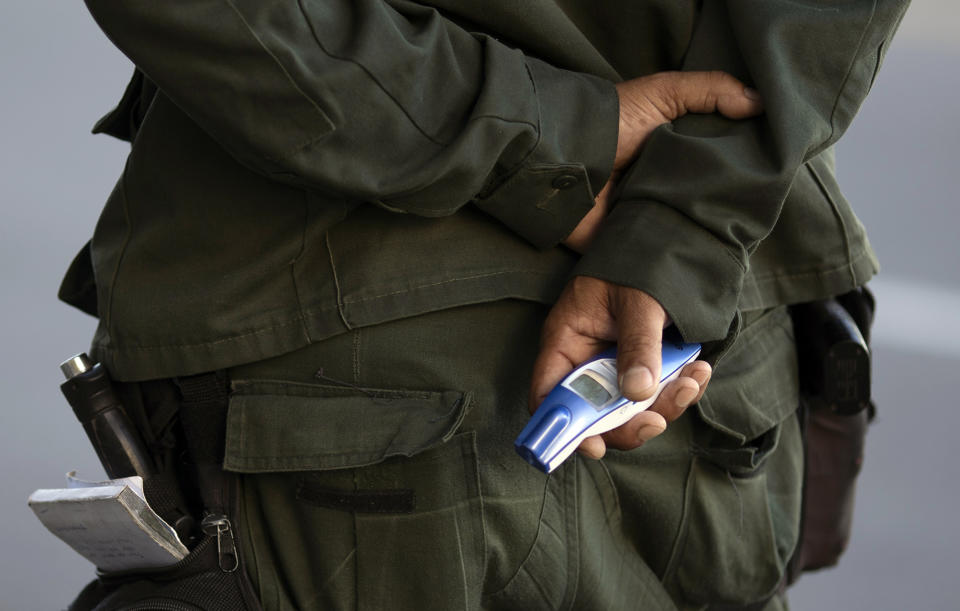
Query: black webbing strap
point(163, 492)
point(203, 415)
point(161, 486)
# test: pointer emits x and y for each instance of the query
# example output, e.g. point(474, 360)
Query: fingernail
point(751, 93)
point(685, 397)
point(636, 380)
point(647, 432)
point(701, 377)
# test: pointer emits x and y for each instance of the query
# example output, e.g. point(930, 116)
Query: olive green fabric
point(359, 509)
point(357, 205)
point(304, 168)
point(813, 63)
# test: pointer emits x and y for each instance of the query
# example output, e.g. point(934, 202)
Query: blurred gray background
point(897, 165)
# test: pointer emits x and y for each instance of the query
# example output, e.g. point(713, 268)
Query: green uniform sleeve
point(380, 101)
point(705, 191)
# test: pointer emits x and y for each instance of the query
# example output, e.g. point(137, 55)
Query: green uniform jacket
point(303, 167)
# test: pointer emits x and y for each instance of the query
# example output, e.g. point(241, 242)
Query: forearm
point(380, 102)
point(705, 191)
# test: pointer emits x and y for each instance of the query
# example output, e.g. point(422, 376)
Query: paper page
point(135, 482)
point(109, 524)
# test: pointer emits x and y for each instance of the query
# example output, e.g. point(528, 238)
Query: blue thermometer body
point(588, 402)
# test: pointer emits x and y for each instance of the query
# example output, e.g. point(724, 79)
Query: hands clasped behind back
point(592, 313)
point(648, 102)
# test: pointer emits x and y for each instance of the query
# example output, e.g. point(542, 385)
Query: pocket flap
point(283, 426)
point(757, 385)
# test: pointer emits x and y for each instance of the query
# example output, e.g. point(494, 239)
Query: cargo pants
point(378, 472)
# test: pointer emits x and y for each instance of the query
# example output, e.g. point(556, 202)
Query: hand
point(588, 227)
point(648, 102)
point(593, 313)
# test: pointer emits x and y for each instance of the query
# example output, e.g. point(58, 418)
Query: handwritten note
point(108, 523)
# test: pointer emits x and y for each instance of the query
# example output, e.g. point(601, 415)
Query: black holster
point(836, 407)
point(186, 421)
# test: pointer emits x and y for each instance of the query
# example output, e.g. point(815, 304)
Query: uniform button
point(565, 181)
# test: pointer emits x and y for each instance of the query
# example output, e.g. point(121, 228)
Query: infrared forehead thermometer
point(588, 402)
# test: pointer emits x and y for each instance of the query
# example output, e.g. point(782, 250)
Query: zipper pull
point(219, 525)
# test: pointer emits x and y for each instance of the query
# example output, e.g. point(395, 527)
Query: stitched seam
point(308, 311)
point(733, 257)
point(316, 38)
point(688, 219)
point(813, 271)
point(839, 218)
point(293, 265)
point(356, 357)
point(572, 518)
point(334, 574)
point(123, 247)
point(356, 541)
point(442, 282)
point(539, 126)
point(679, 543)
point(460, 555)
point(286, 459)
point(846, 78)
point(290, 79)
point(541, 524)
point(490, 191)
point(283, 388)
point(387, 92)
point(433, 212)
point(434, 140)
point(296, 149)
point(211, 342)
point(336, 284)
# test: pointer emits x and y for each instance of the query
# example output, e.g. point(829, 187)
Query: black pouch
point(211, 577)
point(195, 583)
point(836, 409)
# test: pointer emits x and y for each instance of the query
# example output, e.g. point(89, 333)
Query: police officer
point(365, 212)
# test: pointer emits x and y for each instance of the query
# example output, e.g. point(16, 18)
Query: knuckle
point(640, 341)
point(719, 78)
point(664, 93)
point(637, 346)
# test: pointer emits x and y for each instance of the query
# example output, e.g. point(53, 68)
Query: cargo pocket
point(543, 579)
point(361, 486)
point(742, 496)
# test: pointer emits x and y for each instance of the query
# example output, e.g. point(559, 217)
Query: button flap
point(756, 385)
point(284, 426)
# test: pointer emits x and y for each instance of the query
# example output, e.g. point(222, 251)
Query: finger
point(701, 371)
point(706, 92)
point(670, 405)
point(675, 398)
point(593, 447)
point(683, 392)
point(637, 431)
point(640, 320)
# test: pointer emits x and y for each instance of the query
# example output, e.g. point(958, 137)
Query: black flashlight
point(90, 393)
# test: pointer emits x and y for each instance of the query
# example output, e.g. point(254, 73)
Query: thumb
point(707, 92)
point(640, 322)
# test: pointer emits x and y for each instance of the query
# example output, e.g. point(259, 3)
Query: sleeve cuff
point(547, 196)
point(693, 275)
